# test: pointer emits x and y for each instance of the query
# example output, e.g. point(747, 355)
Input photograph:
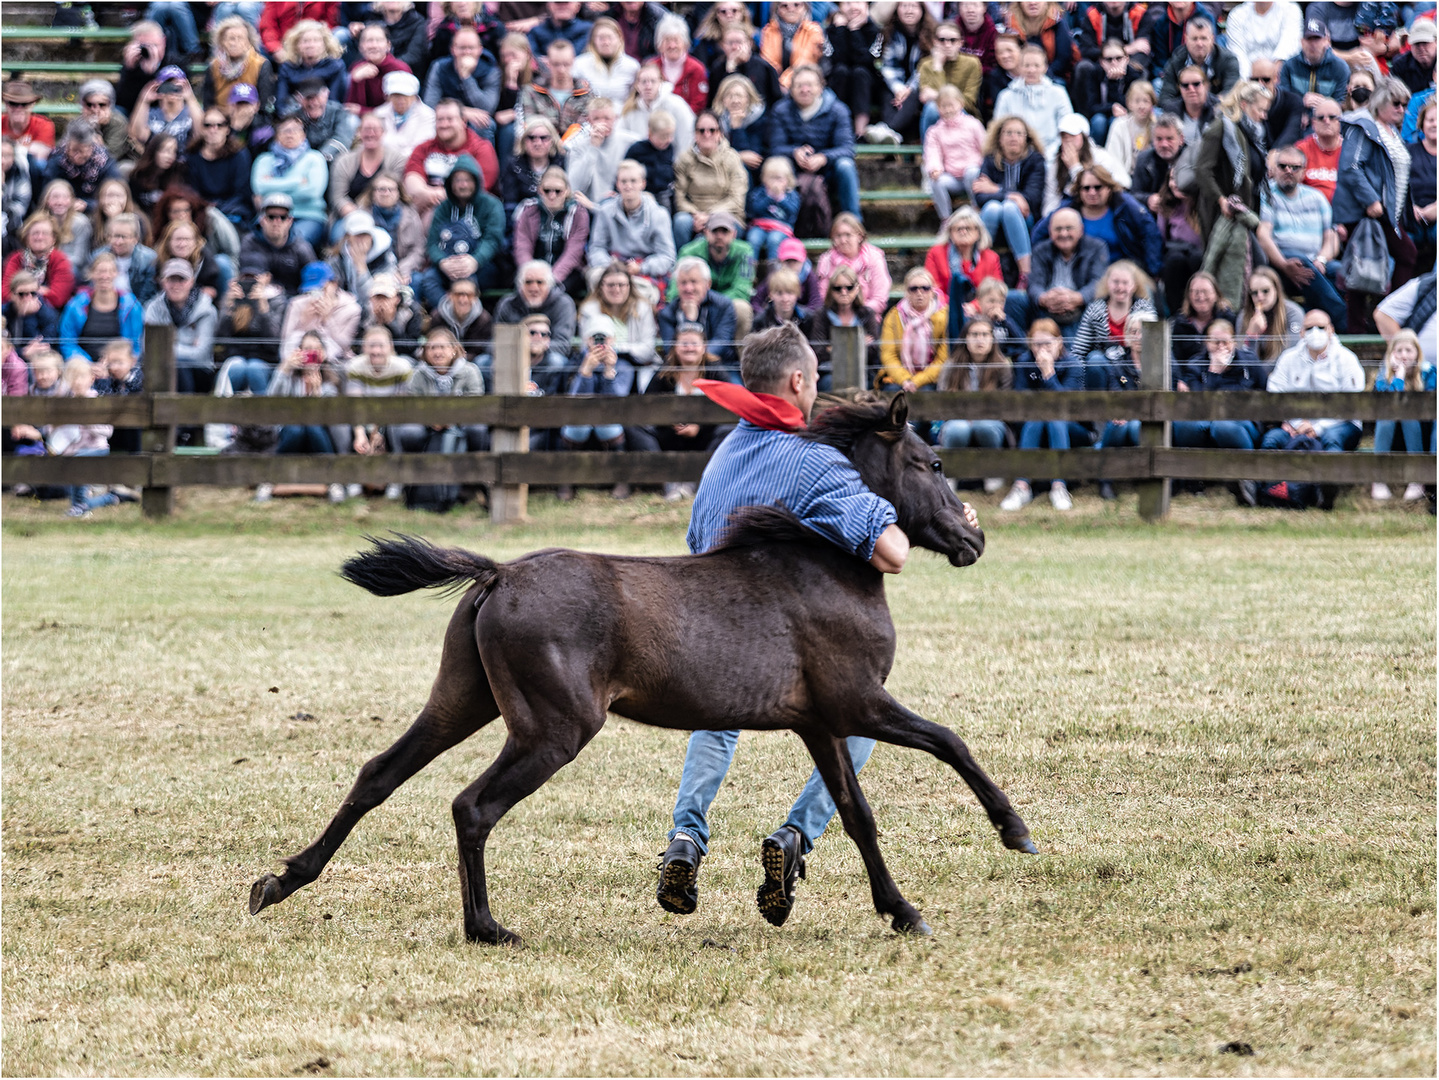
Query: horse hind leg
point(461, 703)
point(831, 757)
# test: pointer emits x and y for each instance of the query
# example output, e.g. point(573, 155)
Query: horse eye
point(937, 466)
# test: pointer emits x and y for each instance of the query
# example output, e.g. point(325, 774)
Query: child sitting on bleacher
point(657, 155)
point(773, 208)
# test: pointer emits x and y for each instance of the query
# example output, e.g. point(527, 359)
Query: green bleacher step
point(62, 33)
point(907, 242)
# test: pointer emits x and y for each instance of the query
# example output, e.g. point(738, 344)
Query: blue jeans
point(999, 213)
point(683, 227)
point(765, 242)
point(1099, 127)
point(313, 231)
point(1321, 293)
point(580, 433)
point(1119, 433)
point(77, 491)
point(1338, 438)
point(249, 10)
point(706, 762)
point(842, 173)
point(1384, 436)
point(1060, 433)
point(1226, 434)
point(179, 25)
point(1096, 370)
point(954, 434)
point(252, 375)
point(305, 439)
point(928, 117)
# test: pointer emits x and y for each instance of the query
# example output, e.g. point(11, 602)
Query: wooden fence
point(510, 414)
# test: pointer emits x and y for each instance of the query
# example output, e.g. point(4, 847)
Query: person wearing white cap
point(1076, 149)
point(364, 251)
point(408, 120)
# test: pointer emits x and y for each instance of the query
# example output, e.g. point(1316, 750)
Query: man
point(633, 229)
point(960, 70)
point(432, 161)
point(274, 248)
point(1259, 29)
point(97, 99)
point(556, 95)
point(33, 135)
point(1321, 149)
point(1296, 233)
point(81, 161)
point(408, 120)
point(763, 462)
point(387, 305)
point(1066, 270)
point(696, 302)
point(1315, 73)
point(134, 261)
point(1197, 104)
point(466, 232)
point(1411, 307)
point(536, 293)
point(1285, 122)
point(1164, 25)
point(182, 304)
point(1151, 167)
point(1201, 51)
point(814, 129)
point(329, 127)
point(469, 75)
point(1317, 365)
point(1415, 68)
point(461, 313)
point(731, 263)
point(145, 54)
point(562, 22)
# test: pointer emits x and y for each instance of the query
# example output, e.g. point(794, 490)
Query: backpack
point(815, 211)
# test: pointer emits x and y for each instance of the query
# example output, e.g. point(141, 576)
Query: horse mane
point(752, 525)
point(842, 423)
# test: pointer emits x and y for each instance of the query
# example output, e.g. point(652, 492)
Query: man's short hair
point(562, 44)
point(769, 356)
point(631, 165)
point(812, 69)
point(538, 266)
point(693, 262)
point(1169, 122)
point(1067, 211)
point(126, 220)
point(1291, 150)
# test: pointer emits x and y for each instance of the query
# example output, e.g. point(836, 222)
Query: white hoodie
point(1042, 106)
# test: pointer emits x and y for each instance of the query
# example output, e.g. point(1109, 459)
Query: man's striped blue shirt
point(755, 466)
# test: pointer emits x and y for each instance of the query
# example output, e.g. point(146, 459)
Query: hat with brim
point(400, 82)
point(19, 93)
point(722, 220)
point(1316, 28)
point(178, 268)
point(384, 285)
point(315, 276)
point(1074, 124)
point(244, 94)
point(1422, 31)
point(792, 250)
point(278, 200)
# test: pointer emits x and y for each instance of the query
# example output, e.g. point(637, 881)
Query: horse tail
point(407, 563)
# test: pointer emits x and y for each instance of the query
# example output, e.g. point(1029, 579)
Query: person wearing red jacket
point(39, 255)
point(280, 15)
point(966, 250)
point(688, 79)
point(430, 162)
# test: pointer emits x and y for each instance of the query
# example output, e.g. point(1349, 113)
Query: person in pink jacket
point(953, 151)
point(554, 227)
point(851, 248)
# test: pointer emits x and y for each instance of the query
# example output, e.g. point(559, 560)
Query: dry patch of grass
point(1220, 730)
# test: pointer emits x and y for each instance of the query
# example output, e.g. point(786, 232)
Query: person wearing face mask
point(1317, 365)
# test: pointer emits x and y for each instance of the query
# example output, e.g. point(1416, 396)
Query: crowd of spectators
point(353, 195)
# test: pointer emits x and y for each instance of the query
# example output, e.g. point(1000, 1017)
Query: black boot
point(783, 864)
point(679, 876)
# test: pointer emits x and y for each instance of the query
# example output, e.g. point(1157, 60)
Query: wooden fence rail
point(158, 470)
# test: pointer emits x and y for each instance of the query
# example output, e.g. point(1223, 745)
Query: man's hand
point(478, 117)
point(1313, 100)
point(890, 551)
point(971, 518)
point(1375, 209)
point(1297, 272)
point(687, 431)
point(465, 66)
point(1153, 203)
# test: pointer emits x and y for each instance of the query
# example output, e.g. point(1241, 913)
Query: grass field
point(1221, 731)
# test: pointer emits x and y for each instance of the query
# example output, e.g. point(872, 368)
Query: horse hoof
point(1021, 843)
point(265, 892)
point(494, 934)
point(915, 927)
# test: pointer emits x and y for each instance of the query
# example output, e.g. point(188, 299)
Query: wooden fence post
point(509, 502)
point(159, 371)
point(1154, 375)
point(847, 357)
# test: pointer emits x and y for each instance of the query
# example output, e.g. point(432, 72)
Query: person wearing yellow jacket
point(912, 346)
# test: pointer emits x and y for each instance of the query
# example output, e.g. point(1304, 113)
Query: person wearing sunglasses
point(97, 105)
point(32, 323)
point(539, 148)
point(553, 228)
point(1201, 51)
point(1287, 111)
point(218, 168)
point(948, 65)
point(1296, 233)
point(843, 306)
point(1196, 109)
point(912, 345)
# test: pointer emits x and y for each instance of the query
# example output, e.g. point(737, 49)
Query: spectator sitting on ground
point(121, 376)
point(657, 154)
point(816, 132)
point(850, 246)
point(687, 78)
point(431, 163)
point(783, 306)
point(1035, 99)
point(323, 308)
point(291, 168)
point(1201, 51)
point(81, 161)
point(367, 78)
point(536, 293)
point(302, 374)
point(616, 311)
point(236, 60)
point(470, 76)
point(1317, 365)
point(697, 302)
point(953, 150)
point(309, 51)
point(602, 373)
point(554, 228)
point(633, 229)
point(252, 315)
point(442, 370)
point(274, 247)
point(39, 255)
point(1067, 269)
point(1226, 368)
point(604, 63)
point(392, 306)
point(1315, 72)
point(467, 232)
point(912, 348)
point(710, 177)
point(1076, 152)
point(558, 95)
point(731, 264)
point(1411, 307)
point(1009, 189)
point(376, 372)
point(1047, 366)
point(185, 306)
point(594, 154)
point(408, 120)
point(688, 360)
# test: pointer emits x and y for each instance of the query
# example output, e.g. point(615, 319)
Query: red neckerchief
point(761, 410)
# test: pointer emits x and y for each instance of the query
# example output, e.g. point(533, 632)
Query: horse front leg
point(889, 721)
point(831, 757)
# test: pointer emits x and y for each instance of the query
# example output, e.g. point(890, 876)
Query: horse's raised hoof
point(265, 892)
point(1020, 843)
point(914, 925)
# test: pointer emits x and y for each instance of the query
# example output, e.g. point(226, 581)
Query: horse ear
point(899, 411)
